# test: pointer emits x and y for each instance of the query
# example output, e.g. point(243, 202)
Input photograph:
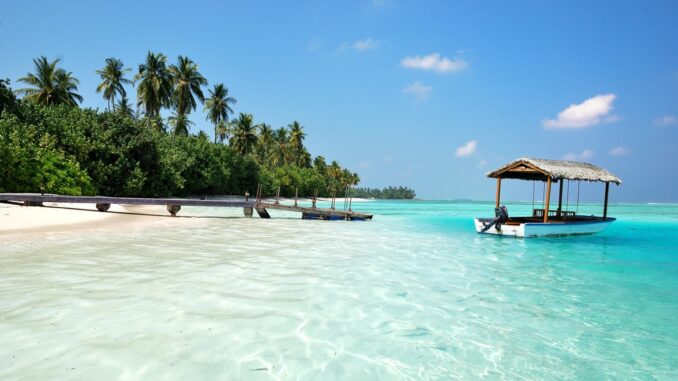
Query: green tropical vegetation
point(391, 193)
point(48, 142)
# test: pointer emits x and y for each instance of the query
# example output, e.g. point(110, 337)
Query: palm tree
point(112, 80)
point(304, 159)
point(319, 164)
point(334, 172)
point(180, 124)
point(67, 85)
point(155, 89)
point(265, 142)
point(297, 136)
point(281, 140)
point(223, 130)
point(244, 135)
point(187, 82)
point(123, 107)
point(50, 85)
point(217, 106)
point(154, 123)
point(355, 179)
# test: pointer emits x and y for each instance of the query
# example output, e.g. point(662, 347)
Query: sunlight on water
point(413, 294)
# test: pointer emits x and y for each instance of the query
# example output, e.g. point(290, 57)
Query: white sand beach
point(53, 217)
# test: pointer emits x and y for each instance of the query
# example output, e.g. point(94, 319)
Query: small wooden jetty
point(174, 205)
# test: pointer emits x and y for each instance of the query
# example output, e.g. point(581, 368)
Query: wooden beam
point(496, 204)
point(607, 192)
point(548, 199)
point(560, 197)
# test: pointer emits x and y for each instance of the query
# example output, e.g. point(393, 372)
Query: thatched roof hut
point(542, 169)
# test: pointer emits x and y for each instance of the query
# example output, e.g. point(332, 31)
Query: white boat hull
point(551, 229)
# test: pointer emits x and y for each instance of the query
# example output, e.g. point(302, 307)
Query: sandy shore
point(53, 217)
point(81, 218)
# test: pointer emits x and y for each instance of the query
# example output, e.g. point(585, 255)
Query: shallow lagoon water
point(413, 294)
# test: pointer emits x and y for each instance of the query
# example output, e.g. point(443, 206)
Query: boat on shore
point(545, 222)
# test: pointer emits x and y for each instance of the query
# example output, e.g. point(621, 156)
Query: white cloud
point(619, 151)
point(588, 113)
point(577, 156)
point(434, 62)
point(366, 44)
point(314, 44)
point(363, 45)
point(420, 91)
point(665, 120)
point(482, 163)
point(467, 149)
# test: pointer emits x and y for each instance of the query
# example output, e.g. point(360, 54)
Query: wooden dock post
point(248, 210)
point(103, 207)
point(173, 209)
point(277, 196)
point(296, 195)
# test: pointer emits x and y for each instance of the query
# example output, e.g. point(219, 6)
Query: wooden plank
point(123, 200)
point(263, 213)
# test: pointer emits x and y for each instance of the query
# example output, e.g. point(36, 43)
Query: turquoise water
point(414, 294)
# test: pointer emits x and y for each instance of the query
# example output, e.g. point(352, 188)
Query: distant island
point(48, 143)
point(390, 193)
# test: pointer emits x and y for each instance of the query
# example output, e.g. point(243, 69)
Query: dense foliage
point(391, 193)
point(48, 142)
point(68, 150)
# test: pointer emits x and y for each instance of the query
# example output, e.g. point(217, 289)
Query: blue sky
point(430, 95)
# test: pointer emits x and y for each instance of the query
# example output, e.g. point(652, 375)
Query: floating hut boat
point(545, 222)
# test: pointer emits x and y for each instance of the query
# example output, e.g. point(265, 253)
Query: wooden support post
point(496, 204)
point(548, 199)
point(560, 197)
point(296, 195)
point(248, 210)
point(277, 196)
point(173, 209)
point(607, 191)
point(103, 207)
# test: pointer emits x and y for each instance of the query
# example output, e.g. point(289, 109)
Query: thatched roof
point(539, 169)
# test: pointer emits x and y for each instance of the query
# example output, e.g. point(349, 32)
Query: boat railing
point(564, 215)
